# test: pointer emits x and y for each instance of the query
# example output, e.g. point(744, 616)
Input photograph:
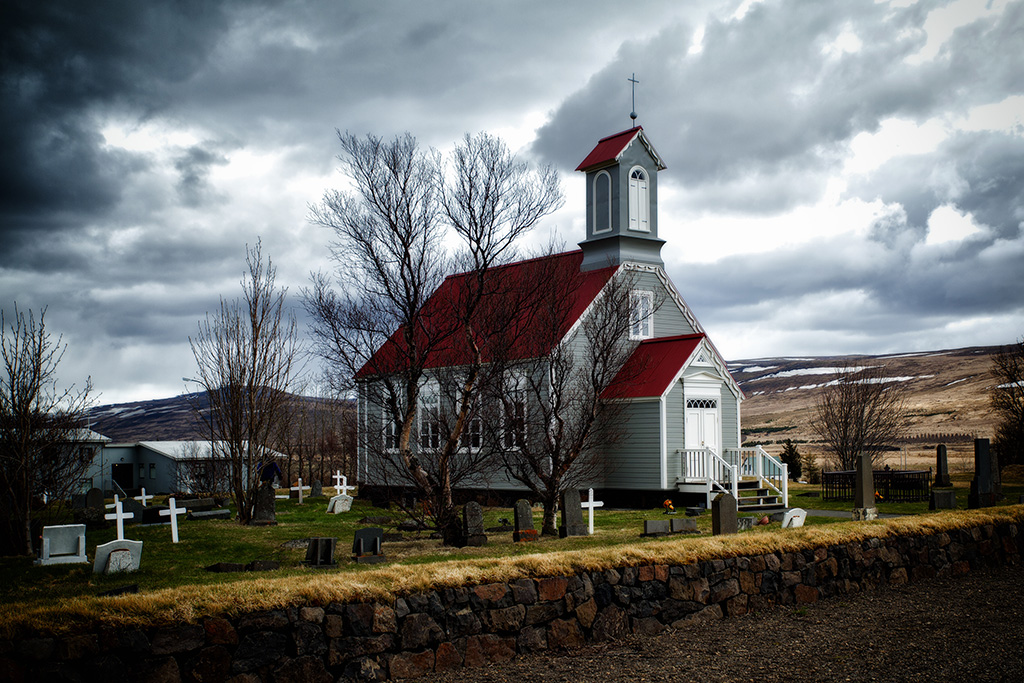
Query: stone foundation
point(477, 625)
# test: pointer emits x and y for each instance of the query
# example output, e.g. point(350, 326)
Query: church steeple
point(622, 201)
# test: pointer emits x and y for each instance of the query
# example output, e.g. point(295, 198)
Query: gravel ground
point(949, 629)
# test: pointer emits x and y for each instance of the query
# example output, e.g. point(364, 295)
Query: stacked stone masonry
point(476, 625)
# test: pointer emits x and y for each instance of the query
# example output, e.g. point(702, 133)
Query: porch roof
point(653, 366)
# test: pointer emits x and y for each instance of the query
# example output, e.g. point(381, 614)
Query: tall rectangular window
point(391, 431)
point(430, 423)
point(515, 422)
point(641, 315)
point(472, 434)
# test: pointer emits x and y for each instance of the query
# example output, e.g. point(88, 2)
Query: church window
point(641, 315)
point(515, 421)
point(471, 434)
point(602, 202)
point(391, 431)
point(706, 403)
point(639, 201)
point(430, 418)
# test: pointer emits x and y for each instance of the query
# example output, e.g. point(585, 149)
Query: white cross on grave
point(299, 488)
point(341, 486)
point(111, 506)
point(173, 511)
point(143, 497)
point(120, 515)
point(589, 507)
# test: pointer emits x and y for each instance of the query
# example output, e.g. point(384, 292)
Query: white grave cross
point(299, 488)
point(173, 511)
point(113, 505)
point(120, 515)
point(589, 506)
point(143, 497)
point(341, 486)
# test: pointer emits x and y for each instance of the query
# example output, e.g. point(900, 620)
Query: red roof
point(524, 332)
point(609, 148)
point(653, 366)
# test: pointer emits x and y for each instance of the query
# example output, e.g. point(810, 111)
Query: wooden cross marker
point(143, 497)
point(173, 511)
point(113, 505)
point(341, 486)
point(589, 506)
point(120, 515)
point(299, 489)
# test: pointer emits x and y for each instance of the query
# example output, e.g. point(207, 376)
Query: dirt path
point(943, 630)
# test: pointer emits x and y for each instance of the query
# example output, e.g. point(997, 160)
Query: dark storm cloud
point(194, 168)
point(773, 94)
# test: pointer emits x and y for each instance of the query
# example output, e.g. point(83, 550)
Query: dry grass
point(191, 603)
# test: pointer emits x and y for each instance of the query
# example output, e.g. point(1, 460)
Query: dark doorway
point(122, 476)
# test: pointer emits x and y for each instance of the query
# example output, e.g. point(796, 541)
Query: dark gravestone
point(942, 499)
point(524, 522)
point(207, 515)
point(197, 504)
point(572, 515)
point(941, 467)
point(694, 511)
point(94, 499)
point(320, 552)
point(981, 495)
point(723, 514)
point(264, 512)
point(864, 490)
point(657, 527)
point(473, 524)
point(135, 508)
point(366, 546)
point(151, 514)
point(684, 526)
point(317, 489)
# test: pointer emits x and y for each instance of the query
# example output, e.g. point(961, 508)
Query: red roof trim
point(653, 366)
point(609, 148)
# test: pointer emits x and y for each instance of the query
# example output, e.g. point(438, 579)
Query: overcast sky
point(842, 177)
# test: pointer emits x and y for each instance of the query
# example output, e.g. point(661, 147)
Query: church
point(680, 414)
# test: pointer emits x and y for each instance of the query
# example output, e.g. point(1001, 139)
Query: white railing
point(722, 473)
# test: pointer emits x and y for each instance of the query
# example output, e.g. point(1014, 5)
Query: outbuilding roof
point(512, 318)
point(653, 366)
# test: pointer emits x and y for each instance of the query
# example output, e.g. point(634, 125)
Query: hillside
point(947, 392)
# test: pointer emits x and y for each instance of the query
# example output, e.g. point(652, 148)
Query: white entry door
point(701, 425)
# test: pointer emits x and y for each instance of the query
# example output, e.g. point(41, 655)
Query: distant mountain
point(947, 393)
point(163, 419)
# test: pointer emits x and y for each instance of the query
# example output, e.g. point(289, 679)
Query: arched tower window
point(639, 201)
point(602, 202)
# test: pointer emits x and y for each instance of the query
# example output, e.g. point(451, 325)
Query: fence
point(894, 486)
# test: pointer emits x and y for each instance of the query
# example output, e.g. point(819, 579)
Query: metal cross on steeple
point(632, 114)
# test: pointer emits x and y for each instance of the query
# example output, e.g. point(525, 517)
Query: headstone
point(320, 552)
point(572, 515)
point(524, 532)
point(264, 512)
point(130, 562)
point(657, 527)
point(63, 544)
point(173, 511)
point(119, 516)
point(135, 508)
point(198, 504)
point(794, 518)
point(366, 546)
point(473, 524)
point(864, 490)
point(94, 499)
point(942, 499)
point(723, 515)
point(683, 525)
point(208, 515)
point(981, 495)
point(694, 511)
point(590, 505)
point(941, 467)
point(317, 489)
point(340, 503)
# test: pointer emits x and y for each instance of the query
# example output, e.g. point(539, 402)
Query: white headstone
point(173, 511)
point(794, 518)
point(102, 563)
point(341, 484)
point(143, 497)
point(120, 515)
point(63, 544)
point(340, 503)
point(589, 507)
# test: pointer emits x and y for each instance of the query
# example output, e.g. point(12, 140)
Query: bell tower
point(622, 201)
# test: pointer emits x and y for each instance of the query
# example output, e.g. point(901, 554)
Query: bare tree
point(41, 428)
point(385, 329)
point(1008, 401)
point(559, 407)
point(861, 411)
point(247, 354)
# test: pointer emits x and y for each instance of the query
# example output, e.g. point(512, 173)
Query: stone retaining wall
point(477, 625)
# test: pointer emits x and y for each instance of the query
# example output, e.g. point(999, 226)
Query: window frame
point(639, 198)
point(641, 314)
point(608, 181)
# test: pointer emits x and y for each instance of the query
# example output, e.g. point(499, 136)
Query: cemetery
point(403, 604)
